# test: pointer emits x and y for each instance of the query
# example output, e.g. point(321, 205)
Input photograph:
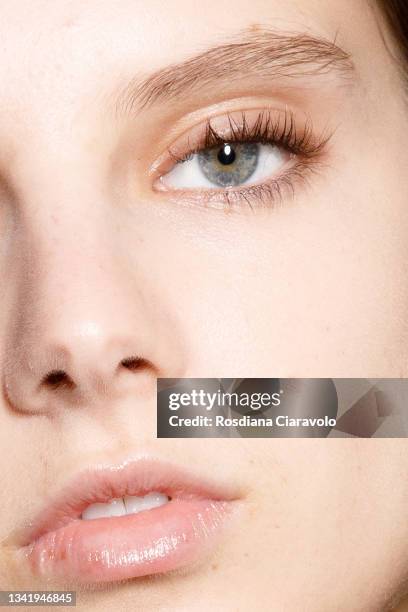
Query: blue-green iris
point(230, 164)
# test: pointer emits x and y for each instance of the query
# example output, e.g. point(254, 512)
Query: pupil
point(226, 155)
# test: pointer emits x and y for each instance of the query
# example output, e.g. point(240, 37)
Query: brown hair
point(396, 14)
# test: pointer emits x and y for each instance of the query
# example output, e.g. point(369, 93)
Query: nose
point(88, 361)
point(84, 326)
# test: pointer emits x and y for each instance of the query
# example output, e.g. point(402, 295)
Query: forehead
point(96, 35)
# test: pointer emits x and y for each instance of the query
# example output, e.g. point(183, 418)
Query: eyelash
point(301, 144)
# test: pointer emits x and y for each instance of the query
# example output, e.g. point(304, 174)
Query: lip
point(59, 544)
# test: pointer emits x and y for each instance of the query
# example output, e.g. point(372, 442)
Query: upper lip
point(133, 477)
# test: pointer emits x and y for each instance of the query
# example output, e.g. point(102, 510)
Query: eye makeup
point(228, 145)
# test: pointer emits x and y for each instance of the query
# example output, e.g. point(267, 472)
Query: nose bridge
point(65, 235)
point(69, 284)
point(64, 251)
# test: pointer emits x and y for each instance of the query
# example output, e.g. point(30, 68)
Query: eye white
point(189, 175)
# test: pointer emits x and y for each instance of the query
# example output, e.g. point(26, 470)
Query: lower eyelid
point(269, 194)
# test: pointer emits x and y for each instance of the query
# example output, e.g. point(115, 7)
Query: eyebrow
point(266, 53)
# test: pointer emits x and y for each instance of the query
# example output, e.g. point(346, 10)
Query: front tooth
point(134, 504)
point(116, 507)
point(154, 500)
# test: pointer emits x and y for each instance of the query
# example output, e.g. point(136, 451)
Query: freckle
point(255, 27)
point(214, 566)
point(69, 23)
point(246, 554)
point(252, 511)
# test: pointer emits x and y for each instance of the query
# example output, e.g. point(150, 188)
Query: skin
point(95, 265)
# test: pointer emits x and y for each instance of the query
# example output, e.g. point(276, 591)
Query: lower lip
point(154, 541)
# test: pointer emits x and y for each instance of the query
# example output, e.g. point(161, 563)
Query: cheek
point(354, 528)
point(316, 286)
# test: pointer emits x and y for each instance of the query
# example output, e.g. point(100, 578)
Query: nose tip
point(80, 370)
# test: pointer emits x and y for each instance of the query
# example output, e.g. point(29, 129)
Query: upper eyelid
point(265, 129)
point(196, 139)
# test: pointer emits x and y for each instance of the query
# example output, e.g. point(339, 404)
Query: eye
point(239, 158)
point(230, 164)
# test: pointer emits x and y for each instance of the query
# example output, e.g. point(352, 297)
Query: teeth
point(130, 504)
point(135, 504)
point(116, 507)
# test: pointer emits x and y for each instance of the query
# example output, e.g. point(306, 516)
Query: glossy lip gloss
point(60, 544)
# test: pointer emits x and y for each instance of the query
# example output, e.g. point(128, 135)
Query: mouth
point(137, 519)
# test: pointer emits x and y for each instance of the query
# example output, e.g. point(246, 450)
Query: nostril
point(56, 379)
point(133, 363)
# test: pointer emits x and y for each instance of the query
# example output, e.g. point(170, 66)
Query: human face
point(119, 264)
